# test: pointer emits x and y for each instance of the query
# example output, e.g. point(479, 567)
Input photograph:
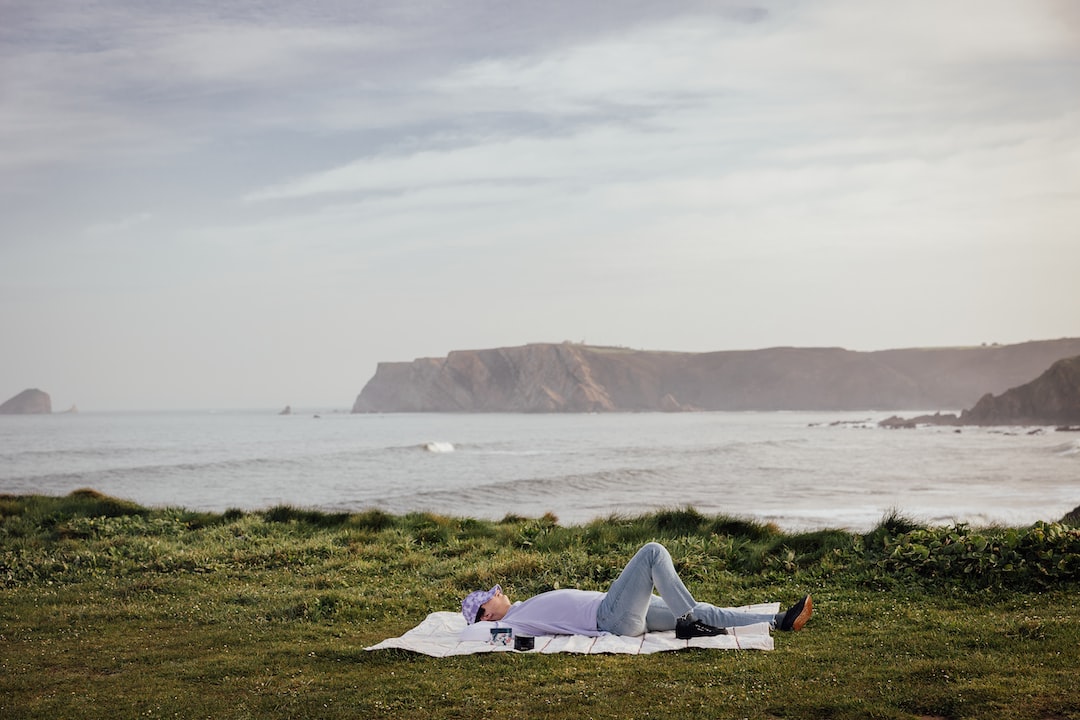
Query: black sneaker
point(797, 615)
point(686, 629)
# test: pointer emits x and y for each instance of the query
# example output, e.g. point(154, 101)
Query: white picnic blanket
point(438, 635)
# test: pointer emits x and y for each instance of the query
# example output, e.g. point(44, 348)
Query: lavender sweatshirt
point(557, 612)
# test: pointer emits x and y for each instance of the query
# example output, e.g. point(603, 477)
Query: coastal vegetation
point(109, 609)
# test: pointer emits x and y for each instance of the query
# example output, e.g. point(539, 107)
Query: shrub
point(1042, 555)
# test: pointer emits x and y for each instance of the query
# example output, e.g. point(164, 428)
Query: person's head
point(485, 605)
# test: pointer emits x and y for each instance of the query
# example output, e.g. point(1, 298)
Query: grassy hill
point(113, 610)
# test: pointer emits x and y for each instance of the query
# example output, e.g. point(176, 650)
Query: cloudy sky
point(250, 204)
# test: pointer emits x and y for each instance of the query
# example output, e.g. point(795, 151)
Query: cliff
point(1053, 398)
point(28, 402)
point(534, 378)
point(578, 378)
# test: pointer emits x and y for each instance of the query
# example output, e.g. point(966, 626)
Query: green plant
point(1042, 555)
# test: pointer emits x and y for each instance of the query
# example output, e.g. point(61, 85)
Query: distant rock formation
point(1052, 398)
point(897, 422)
point(28, 402)
point(568, 377)
point(286, 411)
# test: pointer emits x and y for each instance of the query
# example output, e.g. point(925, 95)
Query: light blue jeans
point(631, 608)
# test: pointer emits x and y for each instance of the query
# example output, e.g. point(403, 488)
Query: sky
point(212, 205)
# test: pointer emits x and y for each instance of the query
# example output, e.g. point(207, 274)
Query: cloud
point(116, 79)
point(118, 226)
point(663, 175)
point(663, 95)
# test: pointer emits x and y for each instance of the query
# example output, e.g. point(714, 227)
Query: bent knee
point(655, 549)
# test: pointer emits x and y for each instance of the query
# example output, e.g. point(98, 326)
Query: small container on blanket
point(523, 643)
point(502, 637)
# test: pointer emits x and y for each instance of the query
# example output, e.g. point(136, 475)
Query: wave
point(510, 493)
point(92, 453)
point(1067, 449)
point(156, 471)
point(438, 446)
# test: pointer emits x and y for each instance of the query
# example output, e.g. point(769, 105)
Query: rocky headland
point(28, 402)
point(567, 377)
point(1053, 398)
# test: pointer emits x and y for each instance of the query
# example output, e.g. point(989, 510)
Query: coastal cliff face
point(28, 402)
point(1052, 398)
point(578, 378)
point(534, 378)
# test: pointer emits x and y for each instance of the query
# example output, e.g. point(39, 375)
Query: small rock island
point(28, 402)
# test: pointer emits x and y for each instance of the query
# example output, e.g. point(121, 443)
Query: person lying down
point(629, 607)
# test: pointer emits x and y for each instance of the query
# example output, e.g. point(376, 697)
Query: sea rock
point(286, 411)
point(1053, 398)
point(897, 422)
point(28, 402)
point(569, 377)
point(1072, 517)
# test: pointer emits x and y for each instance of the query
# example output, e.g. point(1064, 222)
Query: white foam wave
point(1069, 448)
point(439, 446)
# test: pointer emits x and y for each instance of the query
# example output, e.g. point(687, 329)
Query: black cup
point(523, 643)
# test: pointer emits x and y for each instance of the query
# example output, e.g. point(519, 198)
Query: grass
point(111, 610)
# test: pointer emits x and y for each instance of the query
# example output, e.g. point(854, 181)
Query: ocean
point(802, 471)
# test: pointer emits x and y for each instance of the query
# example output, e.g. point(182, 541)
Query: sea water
point(798, 470)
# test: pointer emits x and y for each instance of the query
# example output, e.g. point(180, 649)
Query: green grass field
point(111, 610)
